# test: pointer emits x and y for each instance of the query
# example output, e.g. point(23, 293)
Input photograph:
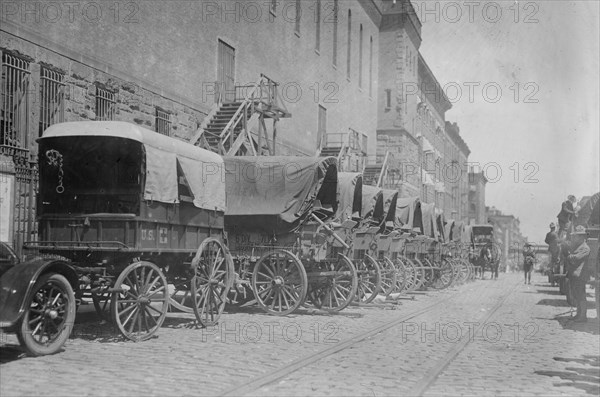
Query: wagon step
point(328, 274)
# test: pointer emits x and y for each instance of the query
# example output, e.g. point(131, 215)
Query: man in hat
point(552, 241)
point(528, 258)
point(578, 270)
point(565, 216)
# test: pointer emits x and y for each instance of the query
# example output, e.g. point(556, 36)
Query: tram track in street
point(263, 380)
point(422, 385)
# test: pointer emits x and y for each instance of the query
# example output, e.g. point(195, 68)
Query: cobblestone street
point(483, 338)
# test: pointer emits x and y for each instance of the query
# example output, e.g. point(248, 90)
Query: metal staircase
point(350, 148)
point(239, 127)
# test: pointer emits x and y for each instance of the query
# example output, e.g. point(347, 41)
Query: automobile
point(37, 301)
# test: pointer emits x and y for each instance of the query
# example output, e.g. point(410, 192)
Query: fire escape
point(349, 147)
point(239, 127)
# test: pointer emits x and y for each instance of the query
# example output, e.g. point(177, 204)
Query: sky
point(528, 105)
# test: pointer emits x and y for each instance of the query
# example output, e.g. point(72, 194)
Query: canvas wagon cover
point(202, 169)
point(429, 222)
point(408, 213)
point(372, 203)
point(267, 192)
point(586, 215)
point(390, 199)
point(349, 195)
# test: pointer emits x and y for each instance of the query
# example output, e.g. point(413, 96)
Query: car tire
point(49, 315)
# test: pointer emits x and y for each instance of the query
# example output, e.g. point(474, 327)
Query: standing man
point(552, 241)
point(528, 258)
point(578, 271)
point(565, 216)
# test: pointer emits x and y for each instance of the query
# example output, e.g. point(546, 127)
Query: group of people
point(567, 246)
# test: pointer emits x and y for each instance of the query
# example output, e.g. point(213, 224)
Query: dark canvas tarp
point(372, 201)
point(448, 230)
point(440, 221)
point(408, 214)
point(429, 222)
point(584, 215)
point(201, 168)
point(390, 201)
point(274, 194)
point(594, 218)
point(349, 195)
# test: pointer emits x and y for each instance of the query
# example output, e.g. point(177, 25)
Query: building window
point(298, 15)
point(106, 104)
point(349, 45)
point(14, 120)
point(52, 99)
point(318, 26)
point(162, 122)
point(388, 98)
point(371, 67)
point(335, 31)
point(360, 55)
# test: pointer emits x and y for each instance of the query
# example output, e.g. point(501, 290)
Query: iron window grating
point(106, 104)
point(14, 87)
point(52, 98)
point(163, 122)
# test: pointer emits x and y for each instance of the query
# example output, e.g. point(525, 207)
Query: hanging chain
point(55, 159)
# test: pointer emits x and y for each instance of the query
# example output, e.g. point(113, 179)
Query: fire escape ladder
point(239, 127)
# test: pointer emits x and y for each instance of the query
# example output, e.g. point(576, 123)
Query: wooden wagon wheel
point(140, 304)
point(388, 275)
point(402, 276)
point(336, 291)
point(213, 277)
point(369, 279)
point(418, 274)
point(444, 275)
point(410, 274)
point(279, 282)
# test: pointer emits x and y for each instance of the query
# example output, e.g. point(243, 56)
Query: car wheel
point(49, 315)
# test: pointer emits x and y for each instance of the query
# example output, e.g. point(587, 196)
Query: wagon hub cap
point(51, 313)
point(278, 281)
point(144, 300)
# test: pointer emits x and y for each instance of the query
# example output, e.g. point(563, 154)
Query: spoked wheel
point(335, 291)
point(140, 305)
point(369, 279)
point(419, 274)
point(428, 270)
point(402, 276)
point(444, 275)
point(213, 277)
point(49, 315)
point(412, 275)
point(279, 282)
point(388, 276)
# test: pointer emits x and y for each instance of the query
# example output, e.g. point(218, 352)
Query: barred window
point(52, 99)
point(106, 104)
point(14, 88)
point(163, 122)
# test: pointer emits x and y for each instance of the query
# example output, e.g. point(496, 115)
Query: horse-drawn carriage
point(128, 216)
point(485, 253)
point(284, 256)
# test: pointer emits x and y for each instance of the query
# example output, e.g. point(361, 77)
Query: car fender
point(16, 284)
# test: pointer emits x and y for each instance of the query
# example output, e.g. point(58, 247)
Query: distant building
point(455, 174)
point(507, 236)
point(477, 182)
